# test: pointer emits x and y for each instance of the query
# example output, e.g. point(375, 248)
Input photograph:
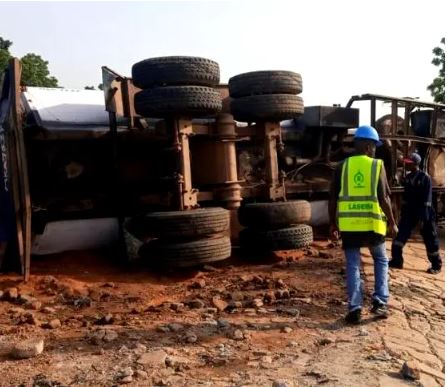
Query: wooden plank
point(22, 165)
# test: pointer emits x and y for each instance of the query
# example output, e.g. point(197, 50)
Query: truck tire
point(175, 70)
point(190, 101)
point(187, 224)
point(282, 239)
point(188, 254)
point(268, 107)
point(268, 216)
point(265, 82)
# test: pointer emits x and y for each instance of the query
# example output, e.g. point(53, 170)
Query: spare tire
point(267, 216)
point(187, 254)
point(265, 82)
point(190, 101)
point(268, 107)
point(187, 224)
point(282, 239)
point(175, 70)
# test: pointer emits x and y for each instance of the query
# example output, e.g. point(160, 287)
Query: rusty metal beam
point(394, 144)
point(188, 197)
point(275, 189)
point(401, 101)
point(373, 112)
point(408, 109)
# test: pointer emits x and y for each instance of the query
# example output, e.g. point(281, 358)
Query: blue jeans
point(354, 282)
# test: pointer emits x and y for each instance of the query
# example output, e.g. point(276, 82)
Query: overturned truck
point(180, 167)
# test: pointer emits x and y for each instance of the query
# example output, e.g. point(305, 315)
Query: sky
point(341, 48)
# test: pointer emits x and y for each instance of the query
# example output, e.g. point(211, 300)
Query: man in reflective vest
point(359, 207)
point(416, 207)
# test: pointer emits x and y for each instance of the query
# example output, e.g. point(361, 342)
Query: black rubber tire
point(188, 254)
point(191, 101)
point(268, 107)
point(282, 239)
point(265, 82)
point(175, 70)
point(269, 216)
point(187, 224)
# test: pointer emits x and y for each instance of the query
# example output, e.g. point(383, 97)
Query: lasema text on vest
point(360, 206)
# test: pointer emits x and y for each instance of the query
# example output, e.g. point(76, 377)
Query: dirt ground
point(244, 322)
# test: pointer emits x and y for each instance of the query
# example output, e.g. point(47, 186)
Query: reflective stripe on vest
point(358, 207)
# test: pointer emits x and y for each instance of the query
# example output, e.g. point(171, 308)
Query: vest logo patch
point(360, 206)
point(359, 179)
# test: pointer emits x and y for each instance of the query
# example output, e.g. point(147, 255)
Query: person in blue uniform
point(416, 208)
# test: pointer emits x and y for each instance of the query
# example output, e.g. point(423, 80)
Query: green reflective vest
point(358, 207)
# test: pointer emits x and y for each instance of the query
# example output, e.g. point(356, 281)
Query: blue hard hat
point(369, 133)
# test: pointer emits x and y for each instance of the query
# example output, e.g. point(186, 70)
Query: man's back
point(417, 189)
point(355, 238)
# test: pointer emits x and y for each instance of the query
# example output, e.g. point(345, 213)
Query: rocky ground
point(84, 321)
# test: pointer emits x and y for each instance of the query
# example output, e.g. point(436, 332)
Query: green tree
point(101, 86)
point(35, 72)
point(89, 88)
point(5, 44)
point(437, 87)
point(4, 54)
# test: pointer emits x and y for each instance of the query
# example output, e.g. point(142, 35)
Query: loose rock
point(280, 283)
point(191, 338)
point(141, 374)
point(177, 306)
point(286, 330)
point(410, 370)
point(25, 299)
point(126, 379)
point(29, 318)
point(219, 303)
point(173, 327)
point(11, 294)
point(325, 341)
point(53, 324)
point(27, 349)
point(100, 335)
point(105, 320)
point(238, 335)
point(221, 323)
point(257, 303)
point(155, 358)
point(200, 284)
point(35, 305)
point(196, 304)
point(163, 329)
point(279, 383)
point(363, 332)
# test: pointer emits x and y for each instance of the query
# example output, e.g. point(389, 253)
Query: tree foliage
point(5, 44)
point(437, 87)
point(34, 69)
point(89, 88)
point(4, 54)
point(35, 72)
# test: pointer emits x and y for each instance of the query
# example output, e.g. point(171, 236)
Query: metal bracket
point(272, 141)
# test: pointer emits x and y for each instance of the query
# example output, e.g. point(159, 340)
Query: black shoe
point(395, 264)
point(434, 270)
point(354, 317)
point(380, 309)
